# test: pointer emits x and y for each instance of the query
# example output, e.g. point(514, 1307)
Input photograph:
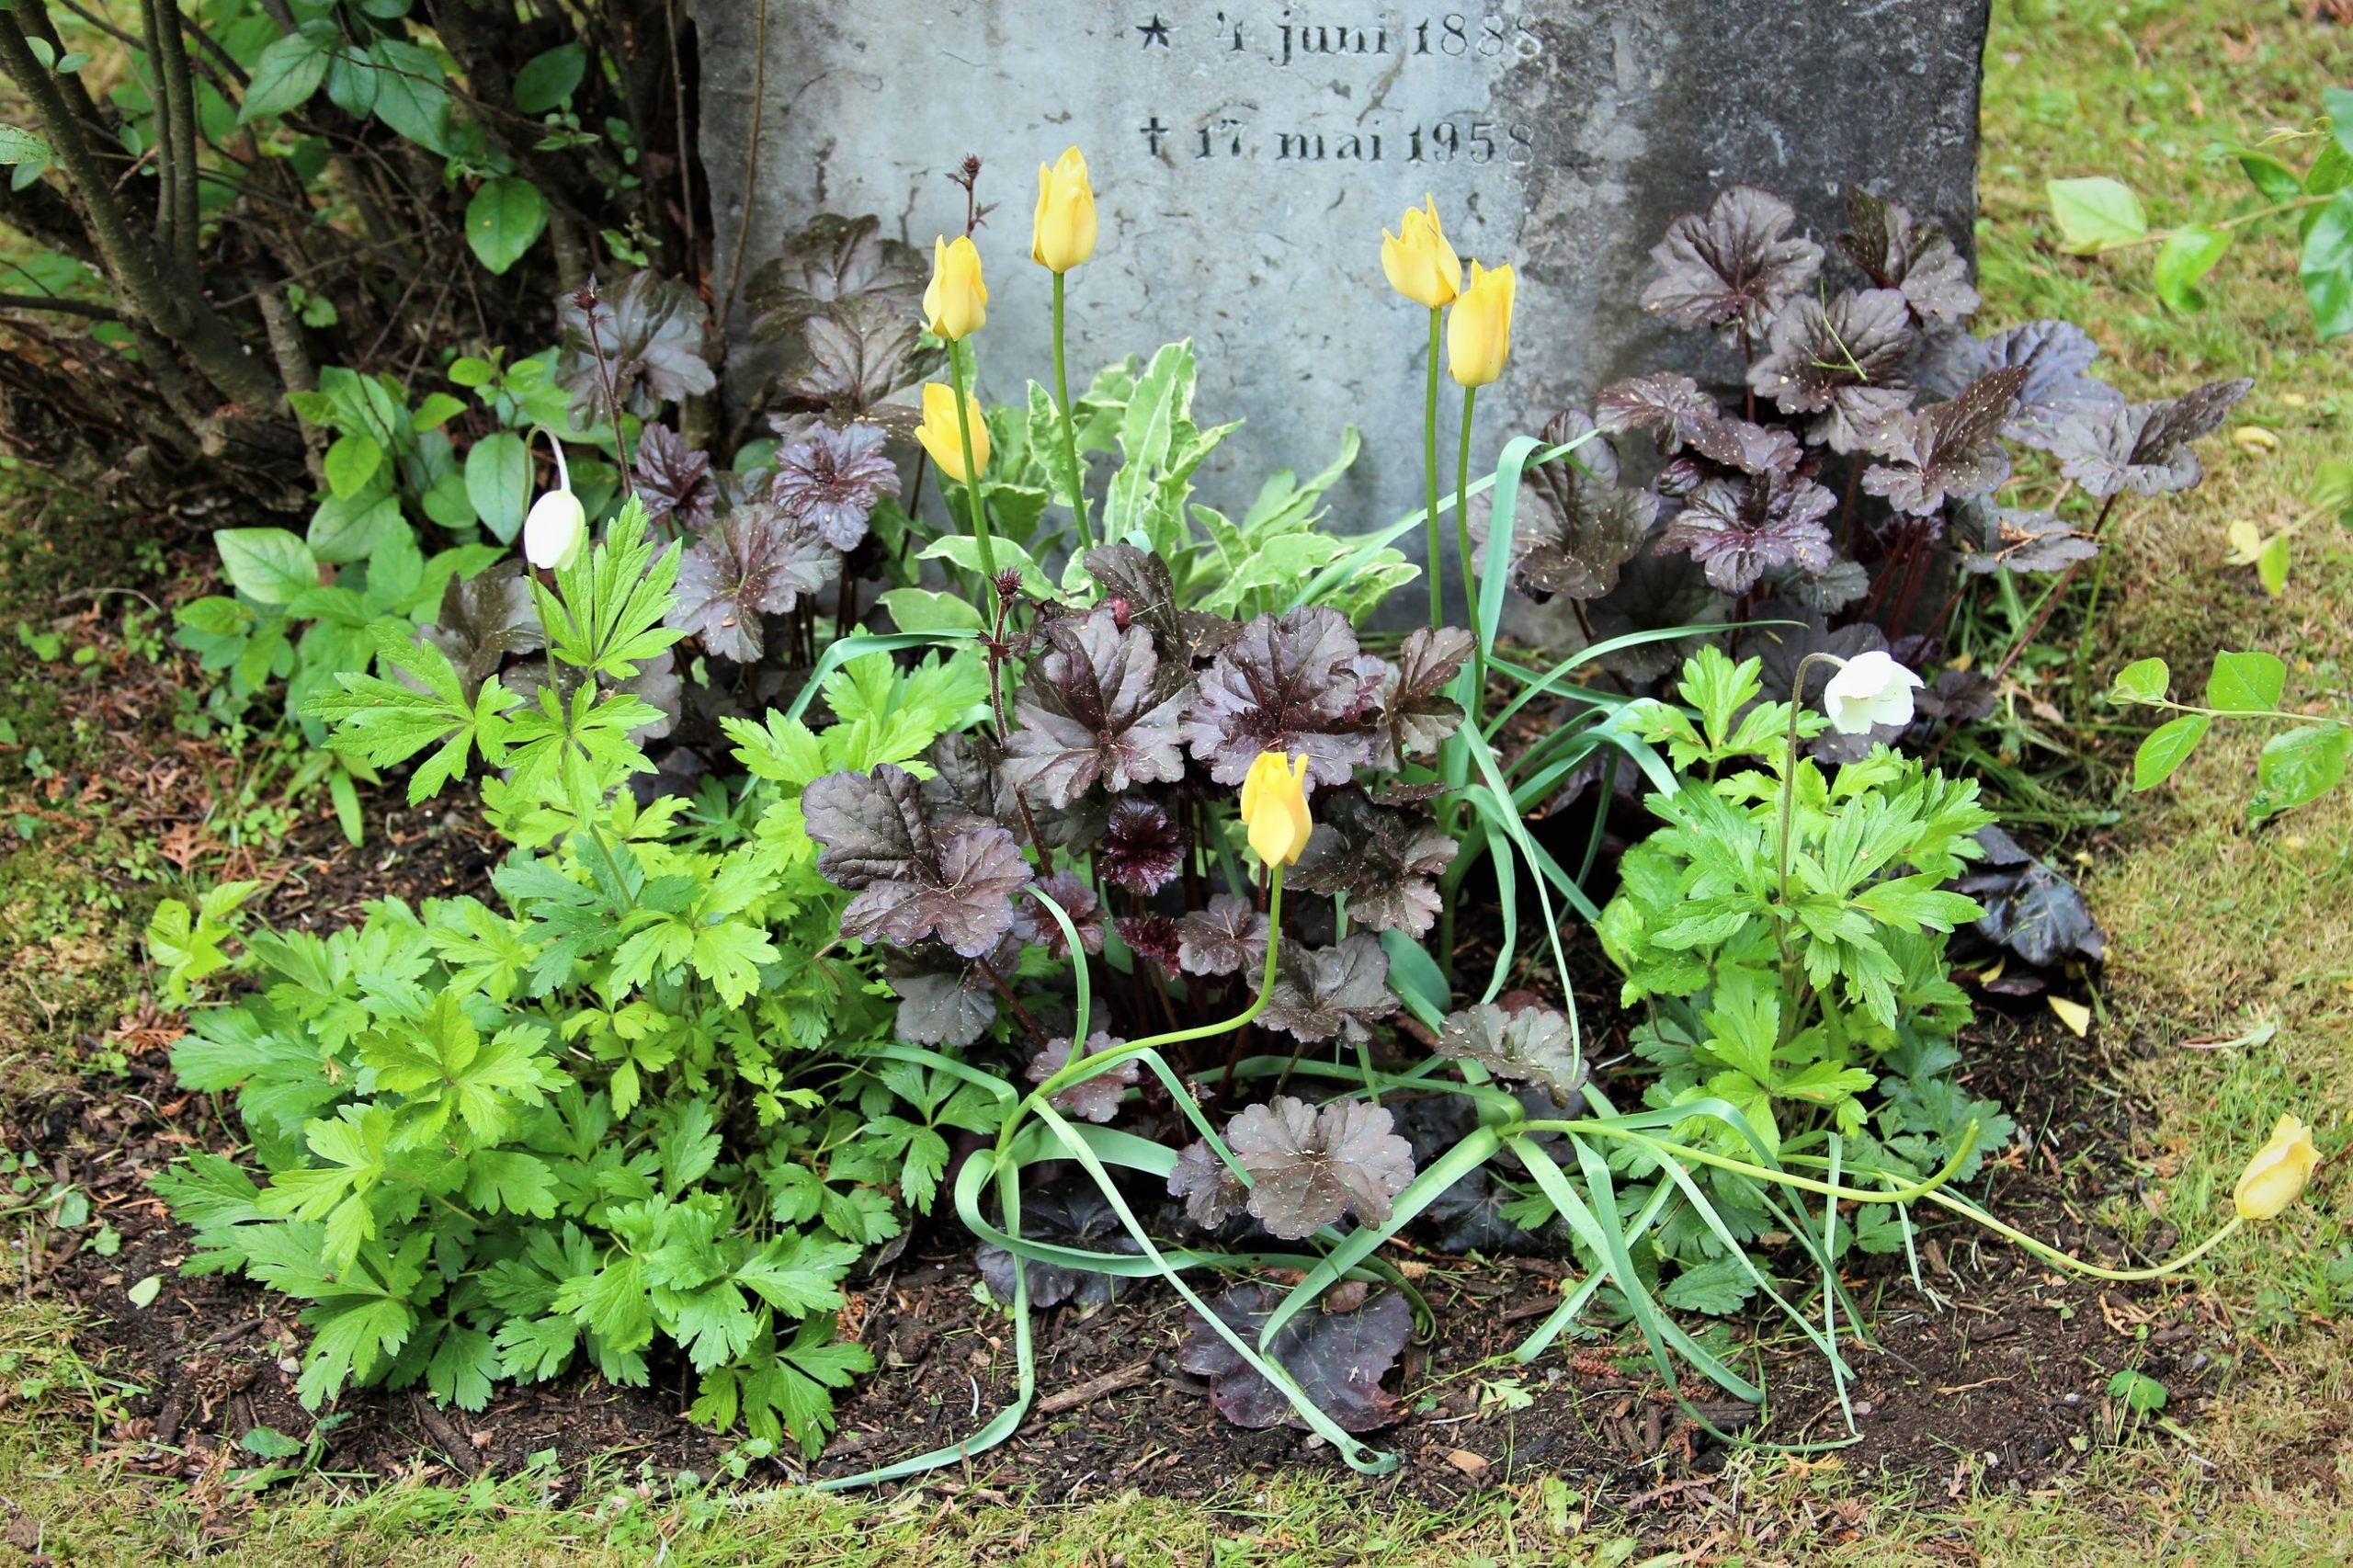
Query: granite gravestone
point(1247, 155)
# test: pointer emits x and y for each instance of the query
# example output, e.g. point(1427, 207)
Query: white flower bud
point(1868, 690)
point(555, 531)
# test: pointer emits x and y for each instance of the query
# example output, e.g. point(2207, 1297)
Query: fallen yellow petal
point(2074, 1015)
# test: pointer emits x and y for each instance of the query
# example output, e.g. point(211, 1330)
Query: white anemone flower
point(1868, 690)
point(554, 531)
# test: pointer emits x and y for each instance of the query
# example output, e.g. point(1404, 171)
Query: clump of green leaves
point(630, 1110)
point(2297, 767)
point(1805, 984)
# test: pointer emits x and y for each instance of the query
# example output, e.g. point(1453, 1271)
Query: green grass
point(2215, 928)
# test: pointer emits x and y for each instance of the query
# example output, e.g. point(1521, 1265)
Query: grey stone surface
point(1247, 154)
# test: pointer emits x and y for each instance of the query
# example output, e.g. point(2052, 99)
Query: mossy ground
point(2219, 932)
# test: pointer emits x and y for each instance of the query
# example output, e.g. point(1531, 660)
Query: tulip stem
point(1462, 548)
point(1069, 423)
point(956, 381)
point(1430, 468)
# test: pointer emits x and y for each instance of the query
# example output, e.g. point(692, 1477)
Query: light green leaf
point(2096, 214)
point(547, 80)
point(351, 462)
point(922, 610)
point(21, 147)
point(2143, 680)
point(351, 529)
point(2272, 566)
point(499, 483)
point(2246, 683)
point(964, 551)
point(504, 219)
point(284, 77)
point(2326, 269)
point(267, 566)
point(2166, 748)
point(2298, 767)
point(2188, 255)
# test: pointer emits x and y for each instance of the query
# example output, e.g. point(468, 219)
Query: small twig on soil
point(455, 1448)
point(1093, 1389)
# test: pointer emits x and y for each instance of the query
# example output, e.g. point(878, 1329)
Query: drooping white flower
point(1868, 689)
point(554, 531)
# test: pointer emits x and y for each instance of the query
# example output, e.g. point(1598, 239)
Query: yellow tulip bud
point(1420, 264)
point(956, 302)
point(1062, 234)
point(1274, 807)
point(2275, 1177)
point(942, 438)
point(1478, 330)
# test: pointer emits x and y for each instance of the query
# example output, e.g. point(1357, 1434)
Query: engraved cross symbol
point(1152, 133)
point(1155, 32)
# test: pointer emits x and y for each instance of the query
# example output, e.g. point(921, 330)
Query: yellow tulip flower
point(940, 436)
point(1420, 264)
point(1062, 234)
point(1478, 330)
point(1274, 807)
point(2275, 1177)
point(956, 303)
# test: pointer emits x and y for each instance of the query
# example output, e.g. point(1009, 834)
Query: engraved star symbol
point(1155, 32)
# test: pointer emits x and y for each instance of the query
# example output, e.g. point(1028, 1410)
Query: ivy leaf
point(1336, 1358)
point(1734, 266)
point(1386, 860)
point(909, 886)
point(655, 336)
point(483, 620)
point(1530, 1045)
point(1739, 527)
point(1415, 717)
point(830, 481)
point(1296, 684)
point(1090, 712)
point(2145, 447)
point(1948, 449)
point(1143, 848)
point(1096, 1099)
point(1684, 414)
point(1896, 251)
point(1309, 1167)
point(1228, 937)
point(1844, 361)
point(674, 479)
point(756, 562)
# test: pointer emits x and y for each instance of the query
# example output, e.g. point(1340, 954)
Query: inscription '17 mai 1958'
point(1291, 43)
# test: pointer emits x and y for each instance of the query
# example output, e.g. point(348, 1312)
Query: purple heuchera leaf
point(1310, 1167)
point(1685, 416)
point(656, 339)
point(1948, 449)
point(1896, 251)
point(947, 1000)
point(1142, 846)
point(2055, 354)
point(830, 480)
point(1732, 266)
point(1089, 713)
point(1386, 860)
point(2145, 447)
point(1033, 922)
point(674, 479)
point(1531, 1045)
point(1336, 1357)
point(1152, 937)
point(1737, 528)
point(1844, 361)
point(1415, 718)
point(1295, 684)
point(909, 885)
point(756, 562)
point(2008, 539)
point(1228, 937)
point(1581, 526)
point(1096, 1099)
point(484, 618)
point(1213, 1194)
point(1139, 587)
point(2031, 908)
point(1323, 991)
point(1077, 1216)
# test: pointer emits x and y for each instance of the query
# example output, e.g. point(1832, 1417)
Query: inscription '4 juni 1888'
point(1293, 40)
